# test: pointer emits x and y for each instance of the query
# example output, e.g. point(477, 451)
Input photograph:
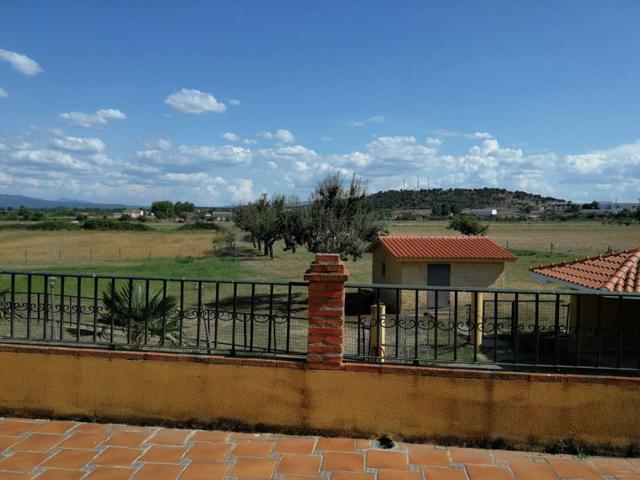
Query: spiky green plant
point(130, 309)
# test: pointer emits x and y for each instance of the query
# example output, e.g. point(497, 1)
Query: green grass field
point(167, 252)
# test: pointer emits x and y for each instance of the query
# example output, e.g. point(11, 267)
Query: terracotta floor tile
point(300, 464)
point(121, 427)
point(387, 459)
point(259, 468)
point(398, 475)
point(92, 428)
point(294, 445)
point(235, 436)
point(54, 426)
point(14, 476)
point(488, 472)
point(86, 441)
point(6, 442)
point(163, 454)
point(335, 445)
point(205, 471)
point(302, 477)
point(512, 456)
point(109, 473)
point(168, 436)
point(363, 444)
point(38, 442)
point(258, 448)
point(73, 459)
point(117, 457)
point(209, 436)
point(60, 475)
point(470, 455)
point(428, 456)
point(157, 471)
point(128, 439)
point(13, 428)
point(215, 452)
point(22, 462)
point(343, 462)
point(533, 471)
point(352, 476)
point(574, 469)
point(614, 466)
point(444, 473)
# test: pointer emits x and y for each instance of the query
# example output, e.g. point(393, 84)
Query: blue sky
point(215, 102)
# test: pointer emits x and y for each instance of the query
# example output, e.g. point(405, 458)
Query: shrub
point(468, 225)
point(108, 224)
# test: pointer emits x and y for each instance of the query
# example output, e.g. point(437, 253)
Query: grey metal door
point(438, 275)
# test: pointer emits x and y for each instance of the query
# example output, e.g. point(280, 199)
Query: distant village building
point(435, 261)
point(483, 212)
point(131, 212)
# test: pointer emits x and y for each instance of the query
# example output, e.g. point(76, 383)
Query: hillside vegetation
point(460, 197)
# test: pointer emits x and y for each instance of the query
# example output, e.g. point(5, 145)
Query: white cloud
point(283, 135)
point(234, 101)
point(230, 137)
point(362, 123)
point(241, 191)
point(92, 120)
point(190, 100)
point(224, 155)
point(76, 144)
point(473, 135)
point(21, 62)
point(3, 93)
point(49, 157)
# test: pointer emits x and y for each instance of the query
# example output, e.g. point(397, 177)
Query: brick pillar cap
point(328, 258)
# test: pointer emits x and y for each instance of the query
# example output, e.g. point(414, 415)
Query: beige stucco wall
point(519, 408)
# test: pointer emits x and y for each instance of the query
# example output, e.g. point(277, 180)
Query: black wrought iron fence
point(174, 314)
point(493, 328)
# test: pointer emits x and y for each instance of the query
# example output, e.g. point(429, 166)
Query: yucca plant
point(131, 303)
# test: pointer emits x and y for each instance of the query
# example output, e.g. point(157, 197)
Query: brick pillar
point(325, 341)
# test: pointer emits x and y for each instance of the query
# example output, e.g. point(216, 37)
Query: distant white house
point(131, 212)
point(484, 212)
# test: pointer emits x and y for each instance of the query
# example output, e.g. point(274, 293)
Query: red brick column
point(326, 277)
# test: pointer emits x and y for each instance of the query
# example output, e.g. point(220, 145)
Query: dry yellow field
point(579, 238)
point(83, 246)
point(162, 251)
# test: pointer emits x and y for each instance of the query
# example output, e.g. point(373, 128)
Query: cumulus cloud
point(92, 120)
point(3, 93)
point(190, 100)
point(241, 191)
point(76, 144)
point(234, 101)
point(281, 135)
point(20, 62)
point(230, 137)
point(223, 155)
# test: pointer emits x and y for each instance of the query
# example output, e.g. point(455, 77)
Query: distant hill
point(15, 201)
point(462, 197)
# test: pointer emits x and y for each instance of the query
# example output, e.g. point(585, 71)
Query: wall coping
point(441, 372)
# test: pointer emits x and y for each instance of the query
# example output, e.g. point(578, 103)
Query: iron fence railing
point(166, 314)
point(492, 328)
point(464, 327)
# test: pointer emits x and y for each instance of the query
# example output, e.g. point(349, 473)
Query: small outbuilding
point(614, 272)
point(435, 261)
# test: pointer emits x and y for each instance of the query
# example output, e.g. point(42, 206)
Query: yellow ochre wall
point(404, 403)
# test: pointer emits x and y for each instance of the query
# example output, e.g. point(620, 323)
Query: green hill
point(460, 197)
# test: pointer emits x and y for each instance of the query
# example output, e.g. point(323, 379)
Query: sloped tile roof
point(616, 272)
point(443, 248)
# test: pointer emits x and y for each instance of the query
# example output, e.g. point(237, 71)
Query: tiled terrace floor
point(48, 450)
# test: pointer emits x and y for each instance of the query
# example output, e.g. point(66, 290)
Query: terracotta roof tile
point(443, 248)
point(616, 272)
